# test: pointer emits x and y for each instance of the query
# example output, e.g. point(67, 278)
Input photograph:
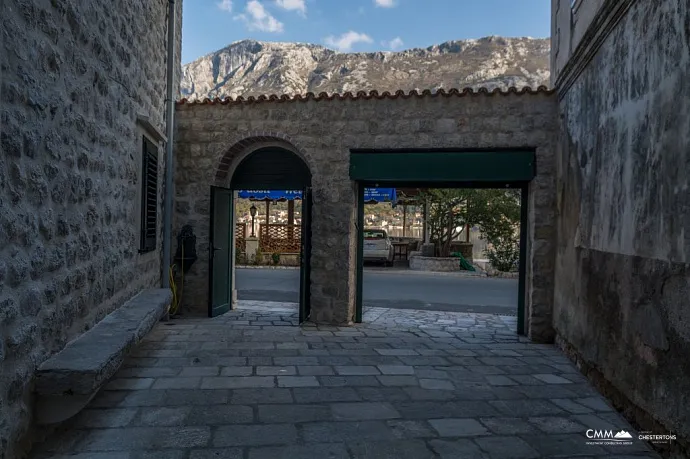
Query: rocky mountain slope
point(253, 68)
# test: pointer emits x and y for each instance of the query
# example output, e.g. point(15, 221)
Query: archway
point(266, 168)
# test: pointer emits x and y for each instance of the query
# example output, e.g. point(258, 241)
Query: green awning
point(442, 167)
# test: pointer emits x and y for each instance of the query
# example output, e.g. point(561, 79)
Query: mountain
point(252, 68)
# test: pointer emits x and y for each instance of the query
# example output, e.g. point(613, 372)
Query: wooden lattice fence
point(240, 237)
point(279, 238)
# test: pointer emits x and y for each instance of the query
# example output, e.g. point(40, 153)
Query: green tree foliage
point(495, 211)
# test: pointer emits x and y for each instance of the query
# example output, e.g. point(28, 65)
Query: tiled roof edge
point(366, 95)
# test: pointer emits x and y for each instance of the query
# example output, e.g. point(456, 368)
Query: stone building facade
point(75, 79)
point(82, 83)
point(213, 137)
point(621, 69)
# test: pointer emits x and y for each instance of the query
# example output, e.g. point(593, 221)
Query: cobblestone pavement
point(252, 385)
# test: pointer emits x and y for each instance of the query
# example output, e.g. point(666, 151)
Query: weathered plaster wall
point(623, 264)
point(75, 75)
point(324, 132)
point(568, 27)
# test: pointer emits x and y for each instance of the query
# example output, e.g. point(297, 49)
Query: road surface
point(394, 289)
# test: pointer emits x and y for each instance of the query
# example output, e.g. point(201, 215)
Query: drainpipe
point(170, 108)
point(425, 235)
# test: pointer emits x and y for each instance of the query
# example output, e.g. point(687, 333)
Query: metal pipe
point(170, 108)
point(425, 235)
point(404, 218)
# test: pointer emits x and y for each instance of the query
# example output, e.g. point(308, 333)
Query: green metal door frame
point(444, 169)
point(305, 257)
point(522, 269)
point(360, 252)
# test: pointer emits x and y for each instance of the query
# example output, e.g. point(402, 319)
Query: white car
point(378, 247)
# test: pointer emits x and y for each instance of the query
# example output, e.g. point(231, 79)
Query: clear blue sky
point(357, 25)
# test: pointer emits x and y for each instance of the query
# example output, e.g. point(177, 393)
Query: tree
point(495, 211)
point(500, 227)
point(447, 212)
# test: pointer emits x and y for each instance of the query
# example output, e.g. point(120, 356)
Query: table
point(400, 250)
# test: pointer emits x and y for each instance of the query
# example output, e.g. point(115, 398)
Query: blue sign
point(380, 195)
point(370, 194)
point(271, 195)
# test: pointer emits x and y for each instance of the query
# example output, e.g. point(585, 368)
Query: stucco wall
point(324, 132)
point(568, 27)
point(623, 262)
point(75, 75)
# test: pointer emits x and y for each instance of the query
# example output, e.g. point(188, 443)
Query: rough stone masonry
point(75, 77)
point(323, 131)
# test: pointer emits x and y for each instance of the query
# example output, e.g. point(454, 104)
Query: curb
point(463, 274)
point(504, 275)
point(265, 267)
point(467, 274)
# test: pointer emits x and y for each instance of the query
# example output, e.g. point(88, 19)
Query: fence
point(279, 238)
point(240, 237)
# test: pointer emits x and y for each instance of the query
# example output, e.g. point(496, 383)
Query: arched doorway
point(267, 168)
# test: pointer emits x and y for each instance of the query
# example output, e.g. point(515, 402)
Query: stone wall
point(75, 76)
point(420, 263)
point(623, 260)
point(323, 131)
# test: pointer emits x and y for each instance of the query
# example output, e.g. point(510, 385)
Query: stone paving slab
point(413, 384)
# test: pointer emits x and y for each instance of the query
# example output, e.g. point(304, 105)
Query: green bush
point(504, 252)
point(276, 258)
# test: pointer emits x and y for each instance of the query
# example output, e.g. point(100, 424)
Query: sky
point(357, 25)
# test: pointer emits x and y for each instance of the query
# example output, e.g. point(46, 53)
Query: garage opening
point(415, 255)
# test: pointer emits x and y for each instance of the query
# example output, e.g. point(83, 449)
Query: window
point(149, 196)
point(374, 234)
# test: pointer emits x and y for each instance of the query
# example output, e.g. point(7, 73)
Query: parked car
point(378, 247)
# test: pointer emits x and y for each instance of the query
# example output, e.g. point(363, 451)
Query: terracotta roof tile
point(366, 95)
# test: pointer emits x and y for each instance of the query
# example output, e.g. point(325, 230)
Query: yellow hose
point(177, 297)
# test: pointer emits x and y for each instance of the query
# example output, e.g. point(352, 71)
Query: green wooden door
point(220, 252)
point(305, 258)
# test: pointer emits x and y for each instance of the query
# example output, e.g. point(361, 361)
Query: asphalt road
point(392, 288)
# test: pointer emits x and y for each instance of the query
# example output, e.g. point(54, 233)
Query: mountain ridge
point(253, 68)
